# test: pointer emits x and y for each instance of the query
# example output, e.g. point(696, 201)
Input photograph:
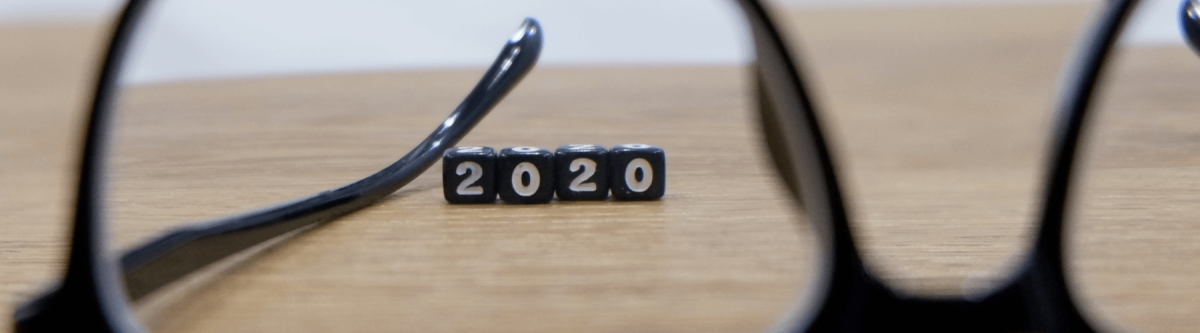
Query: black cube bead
point(469, 175)
point(582, 172)
point(525, 175)
point(637, 172)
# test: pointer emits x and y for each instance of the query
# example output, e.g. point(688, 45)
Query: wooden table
point(939, 119)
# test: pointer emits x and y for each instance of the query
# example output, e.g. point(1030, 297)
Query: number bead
point(525, 175)
point(582, 172)
point(469, 175)
point(637, 172)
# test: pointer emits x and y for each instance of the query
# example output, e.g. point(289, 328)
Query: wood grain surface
point(939, 118)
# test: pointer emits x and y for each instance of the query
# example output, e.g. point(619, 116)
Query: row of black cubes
point(533, 175)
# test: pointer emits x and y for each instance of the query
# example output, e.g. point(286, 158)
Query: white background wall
point(41, 10)
point(186, 41)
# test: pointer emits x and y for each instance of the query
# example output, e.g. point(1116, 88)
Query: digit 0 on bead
point(525, 175)
point(637, 172)
point(468, 175)
point(582, 172)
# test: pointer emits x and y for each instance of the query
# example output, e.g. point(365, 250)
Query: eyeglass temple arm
point(181, 251)
point(187, 249)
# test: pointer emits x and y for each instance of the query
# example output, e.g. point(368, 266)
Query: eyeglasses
point(850, 298)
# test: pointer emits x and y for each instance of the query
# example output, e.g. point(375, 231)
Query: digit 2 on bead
point(637, 172)
point(468, 175)
point(525, 175)
point(582, 172)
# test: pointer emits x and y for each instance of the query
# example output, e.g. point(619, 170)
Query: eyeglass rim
point(847, 297)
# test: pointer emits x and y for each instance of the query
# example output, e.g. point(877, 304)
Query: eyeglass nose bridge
point(1036, 298)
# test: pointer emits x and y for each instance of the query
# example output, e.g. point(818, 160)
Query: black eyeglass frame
point(95, 292)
